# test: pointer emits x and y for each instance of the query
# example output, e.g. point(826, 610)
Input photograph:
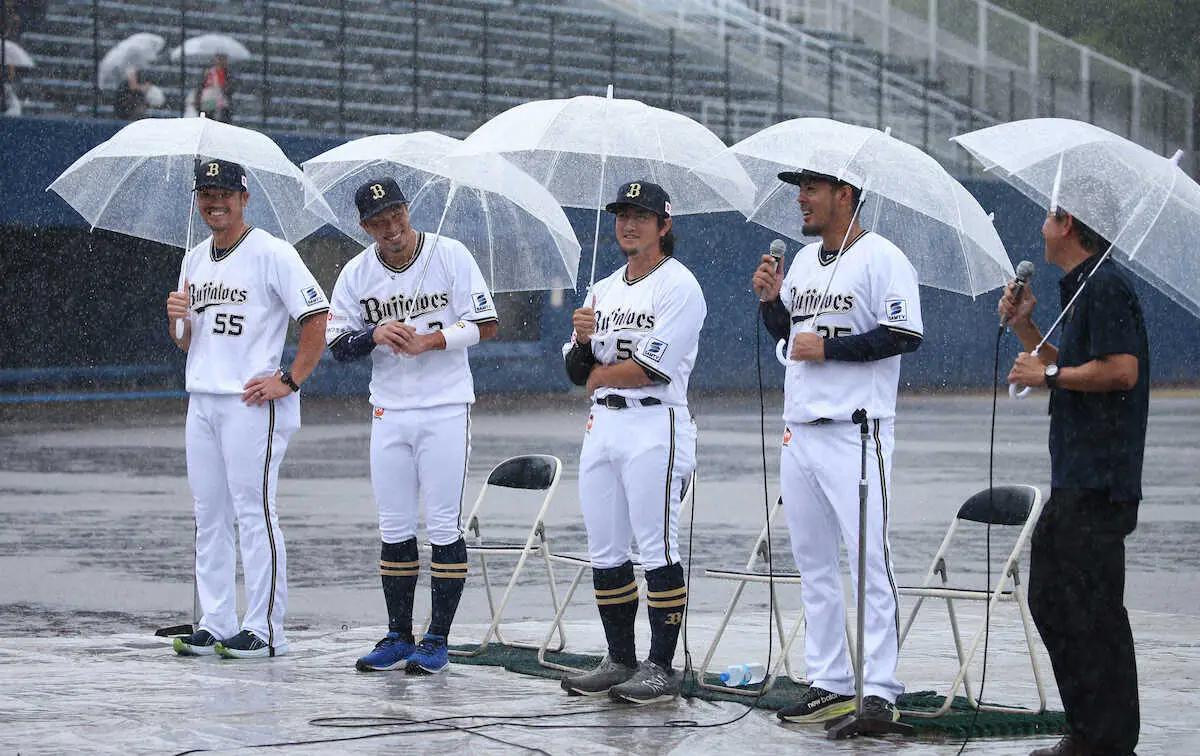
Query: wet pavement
point(96, 552)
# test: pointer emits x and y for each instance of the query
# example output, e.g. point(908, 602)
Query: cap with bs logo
point(377, 195)
point(220, 174)
point(642, 194)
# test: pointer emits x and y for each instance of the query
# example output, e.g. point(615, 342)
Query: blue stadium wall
point(78, 303)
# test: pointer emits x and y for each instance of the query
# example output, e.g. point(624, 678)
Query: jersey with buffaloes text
point(655, 321)
point(873, 284)
point(369, 292)
point(241, 300)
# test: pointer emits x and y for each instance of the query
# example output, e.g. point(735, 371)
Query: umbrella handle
point(1021, 393)
point(781, 354)
point(179, 329)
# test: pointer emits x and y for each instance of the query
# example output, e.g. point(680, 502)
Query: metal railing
point(1002, 65)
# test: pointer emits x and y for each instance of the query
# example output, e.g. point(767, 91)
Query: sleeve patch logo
point(482, 304)
point(897, 310)
point(312, 295)
point(654, 349)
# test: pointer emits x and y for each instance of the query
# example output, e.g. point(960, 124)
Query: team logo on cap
point(377, 191)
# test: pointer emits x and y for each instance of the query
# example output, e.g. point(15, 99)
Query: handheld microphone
point(1024, 273)
point(778, 248)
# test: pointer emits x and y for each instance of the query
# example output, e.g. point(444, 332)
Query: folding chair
point(582, 564)
point(752, 573)
point(531, 472)
point(1015, 506)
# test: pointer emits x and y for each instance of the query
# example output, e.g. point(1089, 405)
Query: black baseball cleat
point(199, 643)
point(817, 705)
point(247, 645)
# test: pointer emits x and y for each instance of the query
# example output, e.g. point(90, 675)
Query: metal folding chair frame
point(535, 545)
point(582, 564)
point(1001, 592)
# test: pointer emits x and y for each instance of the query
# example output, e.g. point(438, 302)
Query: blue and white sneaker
point(430, 657)
point(390, 653)
point(199, 643)
point(247, 645)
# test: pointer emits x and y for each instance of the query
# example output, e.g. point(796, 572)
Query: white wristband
point(461, 335)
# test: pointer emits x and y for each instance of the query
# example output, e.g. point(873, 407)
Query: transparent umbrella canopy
point(137, 50)
point(582, 149)
point(907, 197)
point(139, 181)
point(1142, 203)
point(208, 45)
point(515, 229)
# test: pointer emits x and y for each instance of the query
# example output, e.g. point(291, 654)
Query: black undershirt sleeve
point(776, 318)
point(579, 361)
point(876, 344)
point(354, 346)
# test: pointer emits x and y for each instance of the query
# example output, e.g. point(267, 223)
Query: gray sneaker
point(649, 684)
point(597, 682)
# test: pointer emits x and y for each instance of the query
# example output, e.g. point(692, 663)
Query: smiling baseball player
point(241, 286)
point(415, 302)
point(851, 307)
point(634, 346)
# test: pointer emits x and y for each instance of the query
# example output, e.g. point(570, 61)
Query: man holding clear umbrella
point(415, 302)
point(1099, 401)
point(241, 285)
point(852, 300)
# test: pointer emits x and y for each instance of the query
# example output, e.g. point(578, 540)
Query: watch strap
point(289, 381)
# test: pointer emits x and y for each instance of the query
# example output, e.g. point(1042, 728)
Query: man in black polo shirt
point(1099, 379)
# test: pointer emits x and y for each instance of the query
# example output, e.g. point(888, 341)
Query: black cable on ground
point(443, 724)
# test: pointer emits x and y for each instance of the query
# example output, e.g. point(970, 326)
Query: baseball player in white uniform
point(241, 287)
point(634, 346)
point(415, 302)
point(851, 307)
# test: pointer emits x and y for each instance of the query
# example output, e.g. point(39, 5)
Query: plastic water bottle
point(743, 674)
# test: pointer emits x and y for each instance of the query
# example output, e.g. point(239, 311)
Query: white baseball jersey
point(873, 284)
point(238, 325)
point(655, 321)
point(370, 292)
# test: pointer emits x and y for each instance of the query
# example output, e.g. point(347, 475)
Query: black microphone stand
point(855, 724)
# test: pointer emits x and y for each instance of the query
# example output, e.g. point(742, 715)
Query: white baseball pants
point(632, 470)
point(820, 467)
point(420, 453)
point(233, 457)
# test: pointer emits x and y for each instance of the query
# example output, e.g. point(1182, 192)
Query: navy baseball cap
point(797, 177)
point(642, 194)
point(220, 174)
point(377, 195)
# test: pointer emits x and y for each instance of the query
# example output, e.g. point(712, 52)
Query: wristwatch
point(1052, 376)
point(289, 382)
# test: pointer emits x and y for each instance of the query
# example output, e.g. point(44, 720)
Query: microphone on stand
point(1024, 273)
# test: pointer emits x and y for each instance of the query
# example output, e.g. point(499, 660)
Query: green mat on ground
point(953, 724)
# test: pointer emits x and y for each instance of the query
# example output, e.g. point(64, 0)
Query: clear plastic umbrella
point(208, 45)
point(15, 56)
point(907, 197)
point(517, 232)
point(139, 181)
point(583, 148)
point(1143, 203)
point(138, 50)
